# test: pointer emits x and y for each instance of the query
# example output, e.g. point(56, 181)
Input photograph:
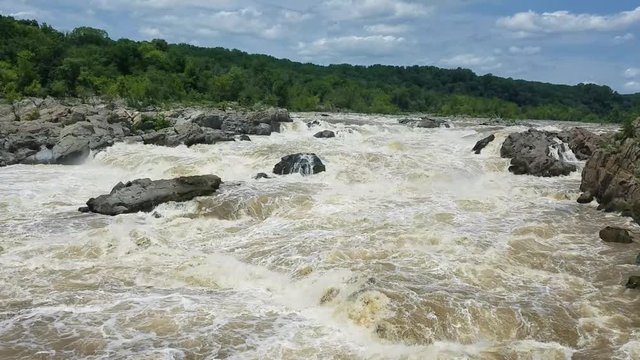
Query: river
point(409, 246)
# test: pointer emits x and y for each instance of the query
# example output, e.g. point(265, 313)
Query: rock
point(245, 138)
point(325, 115)
point(537, 153)
point(213, 120)
point(633, 282)
point(429, 123)
point(71, 150)
point(585, 198)
point(261, 176)
point(483, 143)
point(188, 134)
point(313, 123)
point(84, 209)
point(145, 194)
point(582, 142)
point(616, 235)
point(325, 134)
point(611, 176)
point(304, 164)
point(638, 259)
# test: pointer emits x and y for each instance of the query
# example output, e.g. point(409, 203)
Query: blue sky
point(555, 41)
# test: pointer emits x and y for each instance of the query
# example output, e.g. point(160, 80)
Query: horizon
point(533, 41)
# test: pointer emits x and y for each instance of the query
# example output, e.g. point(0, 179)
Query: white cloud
point(161, 4)
point(471, 60)
point(358, 45)
point(291, 16)
point(632, 85)
point(620, 39)
point(565, 21)
point(387, 29)
point(526, 50)
point(151, 32)
point(354, 9)
point(631, 73)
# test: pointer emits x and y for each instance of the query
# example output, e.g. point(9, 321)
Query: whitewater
point(409, 246)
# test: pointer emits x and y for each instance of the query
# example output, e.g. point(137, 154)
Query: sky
point(559, 41)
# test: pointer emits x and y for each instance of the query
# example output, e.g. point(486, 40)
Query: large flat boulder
point(145, 194)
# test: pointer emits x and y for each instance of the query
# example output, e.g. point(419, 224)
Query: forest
point(37, 60)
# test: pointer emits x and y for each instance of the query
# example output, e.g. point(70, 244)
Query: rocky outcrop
point(537, 153)
point(325, 134)
point(426, 122)
point(313, 123)
point(616, 235)
point(55, 132)
point(582, 142)
point(633, 282)
point(304, 164)
point(145, 194)
point(483, 143)
point(612, 177)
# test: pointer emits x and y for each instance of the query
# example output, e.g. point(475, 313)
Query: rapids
point(409, 246)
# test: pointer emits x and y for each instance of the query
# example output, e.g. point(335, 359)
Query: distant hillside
point(37, 60)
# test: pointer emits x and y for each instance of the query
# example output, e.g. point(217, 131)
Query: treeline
point(37, 60)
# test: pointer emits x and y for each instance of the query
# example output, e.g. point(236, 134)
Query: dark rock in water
point(84, 209)
point(633, 282)
point(483, 143)
point(211, 120)
point(585, 198)
point(616, 235)
point(245, 138)
point(532, 153)
point(582, 142)
point(425, 122)
point(156, 215)
point(313, 123)
point(145, 194)
point(325, 134)
point(325, 115)
point(305, 164)
point(188, 134)
point(261, 176)
point(70, 151)
point(638, 259)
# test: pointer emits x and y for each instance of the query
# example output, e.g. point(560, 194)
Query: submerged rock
point(145, 194)
point(483, 143)
point(325, 134)
point(304, 164)
point(537, 153)
point(633, 282)
point(313, 123)
point(261, 176)
point(585, 198)
point(245, 138)
point(616, 235)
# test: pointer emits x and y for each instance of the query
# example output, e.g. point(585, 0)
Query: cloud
point(526, 50)
point(484, 63)
point(387, 29)
point(632, 73)
point(161, 4)
point(620, 39)
point(291, 16)
point(359, 9)
point(352, 45)
point(632, 85)
point(151, 32)
point(566, 22)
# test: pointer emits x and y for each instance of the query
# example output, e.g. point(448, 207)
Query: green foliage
point(148, 123)
point(627, 130)
point(33, 115)
point(37, 60)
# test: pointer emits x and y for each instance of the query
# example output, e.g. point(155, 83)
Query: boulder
point(483, 143)
point(585, 198)
point(304, 164)
point(212, 120)
point(313, 123)
point(616, 235)
point(245, 138)
point(633, 282)
point(261, 176)
point(325, 134)
point(70, 150)
point(582, 142)
point(638, 259)
point(611, 176)
point(188, 134)
point(145, 194)
point(537, 153)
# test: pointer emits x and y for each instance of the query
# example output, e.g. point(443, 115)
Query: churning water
point(409, 246)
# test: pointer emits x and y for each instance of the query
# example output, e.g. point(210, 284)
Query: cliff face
point(612, 177)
